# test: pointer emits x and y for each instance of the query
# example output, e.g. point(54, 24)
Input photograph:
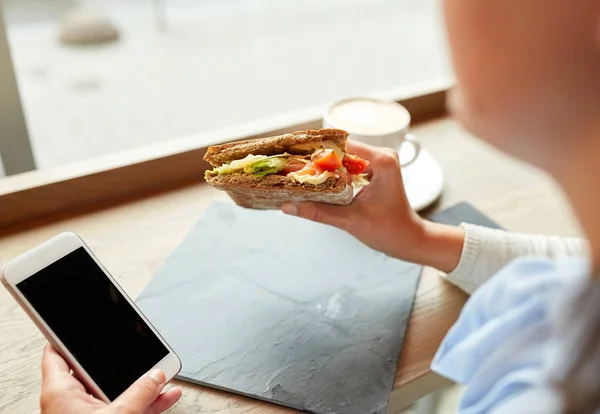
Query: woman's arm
point(381, 217)
point(485, 251)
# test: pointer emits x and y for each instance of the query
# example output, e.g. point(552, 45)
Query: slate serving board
point(284, 310)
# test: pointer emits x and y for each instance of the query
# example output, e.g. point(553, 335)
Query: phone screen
point(113, 344)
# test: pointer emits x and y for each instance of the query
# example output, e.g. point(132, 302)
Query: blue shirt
point(503, 347)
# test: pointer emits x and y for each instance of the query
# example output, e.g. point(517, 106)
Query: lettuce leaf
point(267, 166)
point(257, 165)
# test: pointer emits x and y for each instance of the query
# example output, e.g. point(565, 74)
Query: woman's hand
point(63, 394)
point(381, 217)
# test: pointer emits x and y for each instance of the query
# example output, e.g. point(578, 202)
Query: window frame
point(167, 165)
point(16, 155)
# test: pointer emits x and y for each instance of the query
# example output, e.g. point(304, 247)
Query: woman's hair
point(579, 380)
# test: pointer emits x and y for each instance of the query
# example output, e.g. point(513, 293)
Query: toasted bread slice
point(272, 191)
point(294, 143)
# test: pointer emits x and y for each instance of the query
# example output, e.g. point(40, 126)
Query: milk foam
point(369, 117)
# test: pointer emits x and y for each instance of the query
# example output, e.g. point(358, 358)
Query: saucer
point(423, 179)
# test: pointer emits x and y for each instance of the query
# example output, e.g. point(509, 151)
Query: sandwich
point(301, 166)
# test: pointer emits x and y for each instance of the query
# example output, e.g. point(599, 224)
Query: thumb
point(322, 213)
point(143, 392)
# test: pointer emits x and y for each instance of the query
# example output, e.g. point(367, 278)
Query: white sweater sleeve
point(485, 251)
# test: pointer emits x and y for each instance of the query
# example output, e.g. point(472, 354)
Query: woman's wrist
point(438, 245)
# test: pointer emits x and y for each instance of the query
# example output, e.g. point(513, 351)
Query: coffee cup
point(374, 122)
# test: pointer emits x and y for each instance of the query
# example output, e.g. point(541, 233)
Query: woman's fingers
point(364, 151)
point(139, 396)
point(164, 401)
point(384, 162)
point(337, 216)
point(53, 363)
point(57, 381)
point(56, 374)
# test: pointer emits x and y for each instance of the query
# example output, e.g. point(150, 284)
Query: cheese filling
point(359, 181)
point(311, 179)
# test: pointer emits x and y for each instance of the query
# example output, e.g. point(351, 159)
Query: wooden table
point(133, 239)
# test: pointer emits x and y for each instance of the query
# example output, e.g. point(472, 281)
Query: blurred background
point(179, 67)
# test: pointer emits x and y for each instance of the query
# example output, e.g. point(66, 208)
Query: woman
point(528, 338)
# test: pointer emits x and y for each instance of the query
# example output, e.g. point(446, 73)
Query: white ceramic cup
point(374, 122)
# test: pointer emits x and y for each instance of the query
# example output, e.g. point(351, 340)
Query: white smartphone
point(87, 317)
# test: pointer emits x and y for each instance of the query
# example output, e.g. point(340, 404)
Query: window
point(184, 67)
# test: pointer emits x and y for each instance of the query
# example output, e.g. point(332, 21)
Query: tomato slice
point(355, 164)
point(327, 160)
point(311, 169)
point(292, 165)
